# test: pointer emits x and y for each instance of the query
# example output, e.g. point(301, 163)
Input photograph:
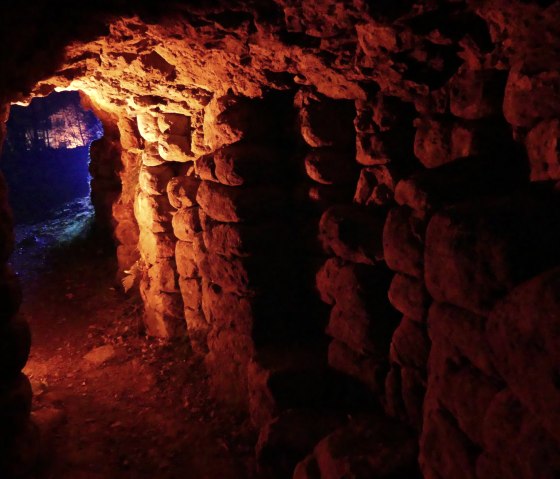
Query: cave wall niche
point(388, 179)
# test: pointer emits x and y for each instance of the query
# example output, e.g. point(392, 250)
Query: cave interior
point(291, 239)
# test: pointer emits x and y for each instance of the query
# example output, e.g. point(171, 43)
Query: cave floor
point(111, 403)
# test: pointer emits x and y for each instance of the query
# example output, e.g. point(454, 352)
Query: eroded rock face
point(379, 157)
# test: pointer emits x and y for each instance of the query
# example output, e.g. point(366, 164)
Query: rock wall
point(349, 208)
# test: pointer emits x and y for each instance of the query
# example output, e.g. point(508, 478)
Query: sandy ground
point(110, 402)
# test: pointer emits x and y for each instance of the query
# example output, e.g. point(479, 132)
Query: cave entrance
point(108, 400)
point(46, 161)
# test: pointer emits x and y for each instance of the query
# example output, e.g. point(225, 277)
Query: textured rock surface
point(414, 131)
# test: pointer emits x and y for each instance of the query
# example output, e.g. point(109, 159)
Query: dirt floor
point(111, 403)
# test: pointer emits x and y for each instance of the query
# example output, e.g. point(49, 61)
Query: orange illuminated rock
point(186, 223)
point(181, 191)
point(163, 314)
point(155, 245)
point(191, 290)
point(152, 212)
point(227, 360)
point(126, 232)
point(233, 205)
point(163, 276)
point(197, 330)
point(150, 155)
point(153, 179)
point(174, 124)
point(175, 148)
point(147, 127)
point(185, 260)
point(227, 310)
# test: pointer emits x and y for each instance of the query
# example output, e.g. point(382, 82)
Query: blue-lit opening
point(45, 161)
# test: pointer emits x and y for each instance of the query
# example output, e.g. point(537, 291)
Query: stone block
point(236, 204)
point(368, 369)
point(365, 330)
point(477, 252)
point(245, 163)
point(370, 447)
point(352, 234)
point(403, 242)
point(163, 276)
point(460, 388)
point(524, 336)
point(231, 118)
point(185, 260)
point(228, 311)
point(147, 127)
point(186, 223)
point(531, 451)
point(464, 331)
point(191, 290)
point(163, 312)
point(231, 274)
point(410, 345)
point(442, 141)
point(197, 330)
point(181, 191)
point(227, 360)
point(530, 97)
point(286, 439)
point(155, 245)
point(413, 386)
point(476, 94)
point(150, 155)
point(376, 186)
point(153, 179)
point(409, 296)
point(242, 240)
point(445, 451)
point(126, 232)
point(350, 284)
point(175, 148)
point(543, 149)
point(326, 122)
point(174, 124)
point(152, 212)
